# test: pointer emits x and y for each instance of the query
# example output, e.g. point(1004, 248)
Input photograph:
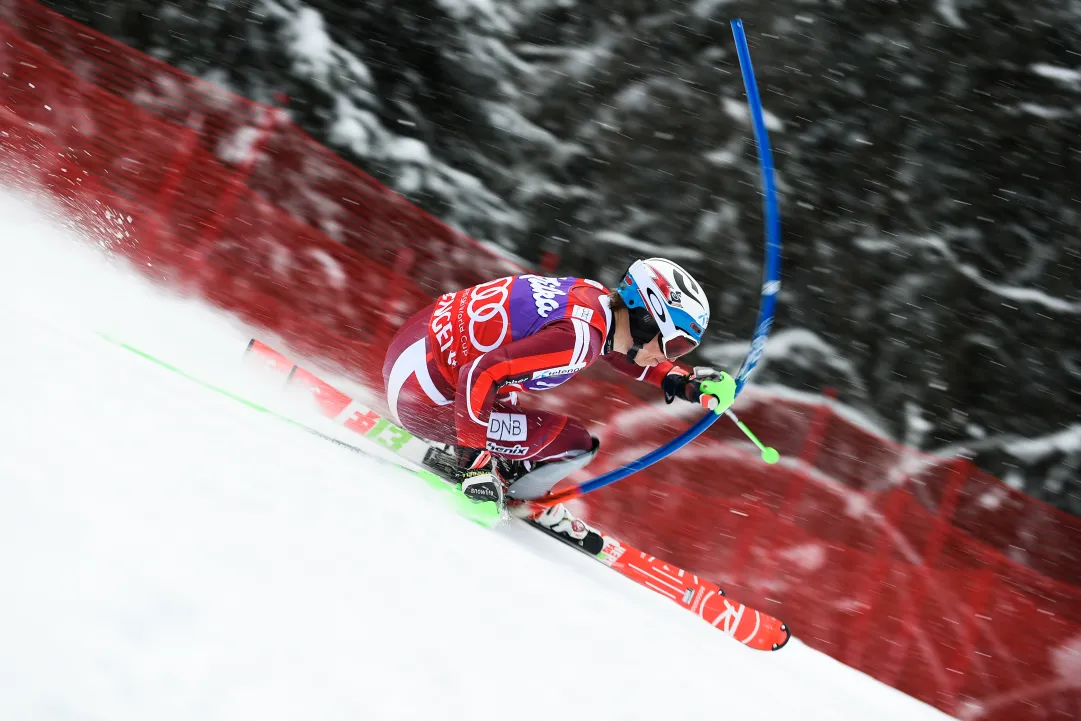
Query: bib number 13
point(387, 434)
point(374, 427)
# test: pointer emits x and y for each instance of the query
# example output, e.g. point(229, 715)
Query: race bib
point(507, 427)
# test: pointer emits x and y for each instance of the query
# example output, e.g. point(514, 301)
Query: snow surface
point(168, 553)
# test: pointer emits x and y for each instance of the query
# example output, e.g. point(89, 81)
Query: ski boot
point(558, 521)
point(475, 472)
point(530, 480)
point(510, 470)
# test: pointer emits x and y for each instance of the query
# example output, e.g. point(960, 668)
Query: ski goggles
point(644, 329)
point(678, 345)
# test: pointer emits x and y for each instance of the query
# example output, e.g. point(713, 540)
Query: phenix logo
point(516, 450)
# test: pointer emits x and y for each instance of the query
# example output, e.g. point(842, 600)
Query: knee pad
point(538, 482)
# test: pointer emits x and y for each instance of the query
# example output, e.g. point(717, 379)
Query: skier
point(454, 371)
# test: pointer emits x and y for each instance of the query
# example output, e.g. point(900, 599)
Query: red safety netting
point(921, 571)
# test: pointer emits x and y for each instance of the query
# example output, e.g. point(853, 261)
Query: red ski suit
point(454, 371)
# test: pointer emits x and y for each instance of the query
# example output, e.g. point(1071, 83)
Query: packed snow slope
point(167, 553)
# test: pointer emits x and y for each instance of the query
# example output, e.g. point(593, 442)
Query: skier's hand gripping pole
point(715, 391)
point(712, 389)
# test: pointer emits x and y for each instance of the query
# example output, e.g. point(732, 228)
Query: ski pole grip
point(724, 390)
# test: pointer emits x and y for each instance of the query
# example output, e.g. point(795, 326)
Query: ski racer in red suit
point(455, 371)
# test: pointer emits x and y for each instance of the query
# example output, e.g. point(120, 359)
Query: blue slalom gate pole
point(771, 282)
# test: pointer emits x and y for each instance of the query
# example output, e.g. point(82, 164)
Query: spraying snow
point(167, 553)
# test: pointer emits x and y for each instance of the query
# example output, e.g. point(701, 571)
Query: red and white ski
point(749, 626)
point(703, 598)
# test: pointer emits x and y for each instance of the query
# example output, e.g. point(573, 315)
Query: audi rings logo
point(488, 302)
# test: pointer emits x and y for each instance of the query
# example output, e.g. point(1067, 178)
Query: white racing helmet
point(664, 298)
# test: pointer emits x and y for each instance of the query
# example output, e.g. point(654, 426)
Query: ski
point(749, 626)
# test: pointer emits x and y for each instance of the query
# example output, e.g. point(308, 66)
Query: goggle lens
point(677, 346)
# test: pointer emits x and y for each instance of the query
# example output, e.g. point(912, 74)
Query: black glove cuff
point(673, 386)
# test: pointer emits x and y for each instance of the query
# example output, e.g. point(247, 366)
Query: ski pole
point(769, 454)
point(722, 394)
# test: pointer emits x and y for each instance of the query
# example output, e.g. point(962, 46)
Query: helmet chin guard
point(643, 327)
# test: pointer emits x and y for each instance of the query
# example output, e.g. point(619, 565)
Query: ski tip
point(777, 646)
